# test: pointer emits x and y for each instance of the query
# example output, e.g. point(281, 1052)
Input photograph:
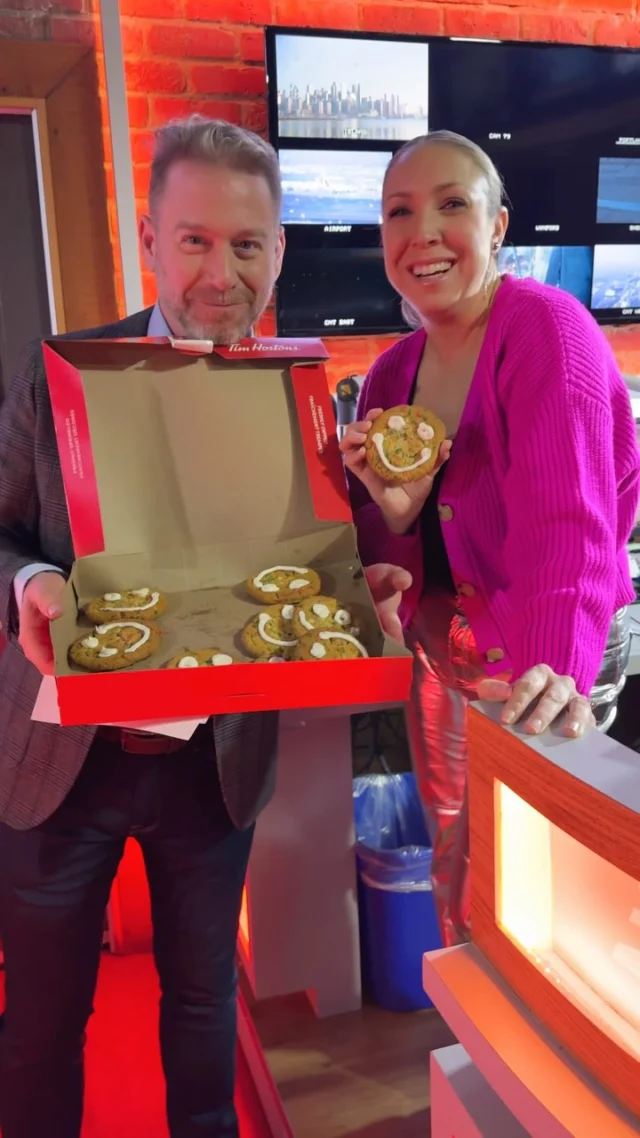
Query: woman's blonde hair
point(482, 161)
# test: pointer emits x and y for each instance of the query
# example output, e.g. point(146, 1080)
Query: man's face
point(215, 244)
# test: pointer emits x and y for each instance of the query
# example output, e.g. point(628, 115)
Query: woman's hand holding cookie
point(400, 503)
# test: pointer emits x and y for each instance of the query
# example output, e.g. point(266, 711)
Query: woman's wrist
point(404, 527)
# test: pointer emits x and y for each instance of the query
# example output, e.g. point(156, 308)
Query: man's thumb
point(45, 595)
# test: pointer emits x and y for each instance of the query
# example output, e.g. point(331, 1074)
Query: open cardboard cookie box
point(189, 468)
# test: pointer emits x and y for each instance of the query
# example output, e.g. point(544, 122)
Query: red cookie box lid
point(182, 444)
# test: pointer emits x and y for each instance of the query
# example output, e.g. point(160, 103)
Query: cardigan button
point(494, 655)
point(446, 513)
point(466, 590)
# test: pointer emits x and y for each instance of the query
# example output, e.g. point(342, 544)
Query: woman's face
point(438, 233)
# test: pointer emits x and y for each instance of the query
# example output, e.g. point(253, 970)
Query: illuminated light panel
point(574, 914)
point(243, 924)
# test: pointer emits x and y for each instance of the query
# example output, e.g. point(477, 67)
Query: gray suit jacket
point(39, 762)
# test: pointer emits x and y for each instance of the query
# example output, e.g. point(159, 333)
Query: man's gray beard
point(231, 335)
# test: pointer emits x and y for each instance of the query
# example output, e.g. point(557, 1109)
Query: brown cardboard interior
point(202, 482)
point(189, 450)
point(208, 604)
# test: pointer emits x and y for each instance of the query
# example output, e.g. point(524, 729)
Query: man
point(70, 797)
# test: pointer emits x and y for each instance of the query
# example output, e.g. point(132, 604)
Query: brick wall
point(207, 55)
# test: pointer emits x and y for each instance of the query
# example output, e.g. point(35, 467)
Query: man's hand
point(41, 603)
point(387, 584)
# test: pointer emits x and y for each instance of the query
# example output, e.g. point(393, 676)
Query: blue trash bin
point(398, 921)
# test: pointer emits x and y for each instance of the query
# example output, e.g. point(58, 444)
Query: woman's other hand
point(387, 583)
point(552, 695)
point(400, 503)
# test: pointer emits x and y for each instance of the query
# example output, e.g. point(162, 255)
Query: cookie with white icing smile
point(325, 644)
point(200, 658)
point(322, 612)
point(270, 632)
point(118, 644)
point(131, 604)
point(403, 443)
point(287, 583)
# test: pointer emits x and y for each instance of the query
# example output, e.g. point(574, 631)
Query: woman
point(515, 547)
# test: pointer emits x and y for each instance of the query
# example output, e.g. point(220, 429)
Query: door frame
point(58, 85)
point(36, 110)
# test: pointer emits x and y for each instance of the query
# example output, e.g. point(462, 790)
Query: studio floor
point(125, 1090)
point(361, 1075)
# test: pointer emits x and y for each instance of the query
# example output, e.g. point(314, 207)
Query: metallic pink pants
point(447, 671)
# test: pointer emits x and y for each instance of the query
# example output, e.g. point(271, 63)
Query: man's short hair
point(199, 139)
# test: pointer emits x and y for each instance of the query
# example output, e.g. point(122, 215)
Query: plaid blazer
point(39, 762)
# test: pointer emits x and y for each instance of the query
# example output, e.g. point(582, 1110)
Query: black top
point(437, 571)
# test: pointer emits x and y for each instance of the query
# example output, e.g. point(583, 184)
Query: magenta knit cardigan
point(542, 485)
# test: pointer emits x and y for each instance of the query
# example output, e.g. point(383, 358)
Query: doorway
point(27, 306)
point(56, 258)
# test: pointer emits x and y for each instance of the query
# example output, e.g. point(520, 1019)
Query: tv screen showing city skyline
point(328, 90)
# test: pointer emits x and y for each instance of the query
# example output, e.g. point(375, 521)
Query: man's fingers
point(44, 594)
point(35, 641)
point(41, 603)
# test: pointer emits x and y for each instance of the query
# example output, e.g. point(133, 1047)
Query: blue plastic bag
point(393, 846)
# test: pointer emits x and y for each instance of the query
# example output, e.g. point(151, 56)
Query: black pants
point(54, 886)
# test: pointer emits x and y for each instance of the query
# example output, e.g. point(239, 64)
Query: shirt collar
point(157, 323)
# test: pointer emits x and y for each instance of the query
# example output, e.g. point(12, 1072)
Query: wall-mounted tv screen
point(337, 292)
point(327, 90)
point(619, 191)
point(562, 124)
point(569, 267)
point(332, 187)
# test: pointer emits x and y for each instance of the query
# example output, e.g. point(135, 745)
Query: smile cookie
point(146, 604)
point(200, 658)
point(270, 632)
point(327, 645)
point(322, 612)
point(284, 583)
point(403, 443)
point(116, 645)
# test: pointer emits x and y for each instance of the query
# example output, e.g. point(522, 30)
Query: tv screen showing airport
point(560, 122)
point(323, 187)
